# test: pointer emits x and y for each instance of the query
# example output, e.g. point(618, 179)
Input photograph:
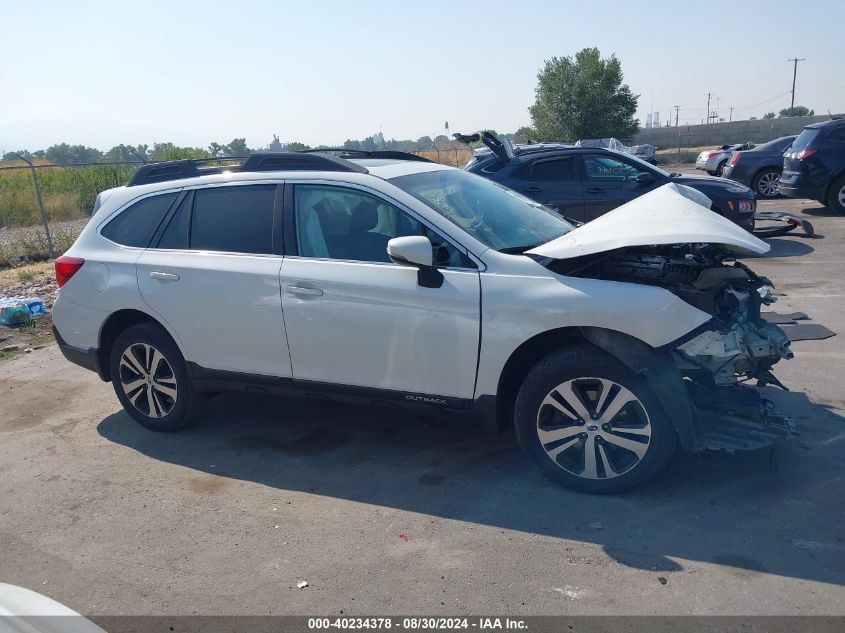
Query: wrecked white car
point(390, 278)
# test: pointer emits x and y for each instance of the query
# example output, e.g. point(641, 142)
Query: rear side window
point(135, 226)
point(555, 169)
point(233, 219)
point(837, 135)
point(805, 138)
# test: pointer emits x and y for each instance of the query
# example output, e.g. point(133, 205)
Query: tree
point(126, 154)
point(525, 134)
point(216, 149)
point(368, 144)
point(237, 147)
point(295, 146)
point(64, 154)
point(425, 142)
point(350, 144)
point(798, 110)
point(583, 97)
point(769, 115)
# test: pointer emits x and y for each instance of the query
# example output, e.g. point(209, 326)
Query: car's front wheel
point(150, 379)
point(592, 424)
point(766, 184)
point(836, 197)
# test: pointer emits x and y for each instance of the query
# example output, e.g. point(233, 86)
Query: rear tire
point(836, 196)
point(150, 379)
point(590, 423)
point(765, 184)
point(720, 168)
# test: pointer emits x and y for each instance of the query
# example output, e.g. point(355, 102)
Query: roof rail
point(255, 162)
point(343, 152)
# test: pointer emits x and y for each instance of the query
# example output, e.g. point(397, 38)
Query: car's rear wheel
point(766, 184)
point(720, 168)
point(150, 379)
point(836, 196)
point(592, 424)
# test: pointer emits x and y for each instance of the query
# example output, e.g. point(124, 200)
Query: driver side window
point(348, 224)
point(608, 169)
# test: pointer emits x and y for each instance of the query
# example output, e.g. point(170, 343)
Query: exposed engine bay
point(735, 346)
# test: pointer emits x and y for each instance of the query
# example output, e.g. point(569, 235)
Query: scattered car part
point(788, 223)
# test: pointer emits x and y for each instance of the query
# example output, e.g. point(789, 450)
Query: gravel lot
point(383, 512)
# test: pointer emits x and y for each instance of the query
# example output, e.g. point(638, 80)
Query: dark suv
point(814, 167)
point(582, 183)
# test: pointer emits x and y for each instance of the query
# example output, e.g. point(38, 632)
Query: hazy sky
point(191, 71)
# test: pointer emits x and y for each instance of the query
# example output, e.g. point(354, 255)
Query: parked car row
point(373, 278)
point(714, 161)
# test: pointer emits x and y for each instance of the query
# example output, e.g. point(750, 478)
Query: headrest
point(364, 217)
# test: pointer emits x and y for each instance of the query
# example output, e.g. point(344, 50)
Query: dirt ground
point(383, 512)
point(33, 280)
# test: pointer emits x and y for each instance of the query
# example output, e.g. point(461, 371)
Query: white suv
point(388, 278)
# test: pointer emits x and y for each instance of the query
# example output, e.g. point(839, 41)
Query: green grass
point(25, 274)
point(69, 192)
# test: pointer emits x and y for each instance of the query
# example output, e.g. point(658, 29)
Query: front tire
point(590, 423)
point(765, 184)
point(836, 196)
point(150, 379)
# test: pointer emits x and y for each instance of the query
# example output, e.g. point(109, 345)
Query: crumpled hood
point(671, 214)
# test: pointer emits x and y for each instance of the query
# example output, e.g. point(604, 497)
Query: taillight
point(66, 268)
point(713, 154)
point(804, 153)
point(734, 159)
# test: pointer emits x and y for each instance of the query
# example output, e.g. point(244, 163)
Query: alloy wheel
point(768, 184)
point(593, 428)
point(841, 197)
point(147, 379)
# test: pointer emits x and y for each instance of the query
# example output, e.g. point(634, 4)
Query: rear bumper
point(800, 191)
point(87, 358)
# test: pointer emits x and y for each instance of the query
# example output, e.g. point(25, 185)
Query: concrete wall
point(758, 131)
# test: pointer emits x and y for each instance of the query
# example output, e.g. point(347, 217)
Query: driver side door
point(610, 181)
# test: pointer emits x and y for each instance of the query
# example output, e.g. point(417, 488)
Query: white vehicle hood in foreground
point(671, 214)
point(25, 611)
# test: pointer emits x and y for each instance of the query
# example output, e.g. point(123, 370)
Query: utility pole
point(794, 73)
point(707, 112)
point(677, 109)
point(40, 202)
point(731, 115)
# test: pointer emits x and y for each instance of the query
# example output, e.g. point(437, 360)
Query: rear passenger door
point(211, 274)
point(552, 182)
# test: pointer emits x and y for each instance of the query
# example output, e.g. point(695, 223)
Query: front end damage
point(719, 361)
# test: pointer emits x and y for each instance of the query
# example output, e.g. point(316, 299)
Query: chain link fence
point(67, 194)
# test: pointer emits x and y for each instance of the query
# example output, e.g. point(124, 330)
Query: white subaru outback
point(394, 278)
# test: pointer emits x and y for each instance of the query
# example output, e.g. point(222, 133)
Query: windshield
point(807, 136)
point(494, 215)
point(774, 146)
point(643, 165)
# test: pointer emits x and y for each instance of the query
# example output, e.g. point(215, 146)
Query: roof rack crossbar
point(365, 153)
point(255, 162)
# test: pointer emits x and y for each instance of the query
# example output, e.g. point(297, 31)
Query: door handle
point(164, 276)
point(595, 190)
point(305, 292)
point(532, 189)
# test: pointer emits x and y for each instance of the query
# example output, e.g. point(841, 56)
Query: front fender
point(516, 309)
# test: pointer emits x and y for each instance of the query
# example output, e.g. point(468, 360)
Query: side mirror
point(644, 178)
point(416, 250)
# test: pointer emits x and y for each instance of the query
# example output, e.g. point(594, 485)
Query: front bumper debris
point(737, 418)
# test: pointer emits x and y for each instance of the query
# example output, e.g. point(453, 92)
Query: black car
point(759, 168)
point(814, 167)
point(583, 183)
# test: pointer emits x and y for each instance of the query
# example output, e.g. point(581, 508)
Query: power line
point(764, 102)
